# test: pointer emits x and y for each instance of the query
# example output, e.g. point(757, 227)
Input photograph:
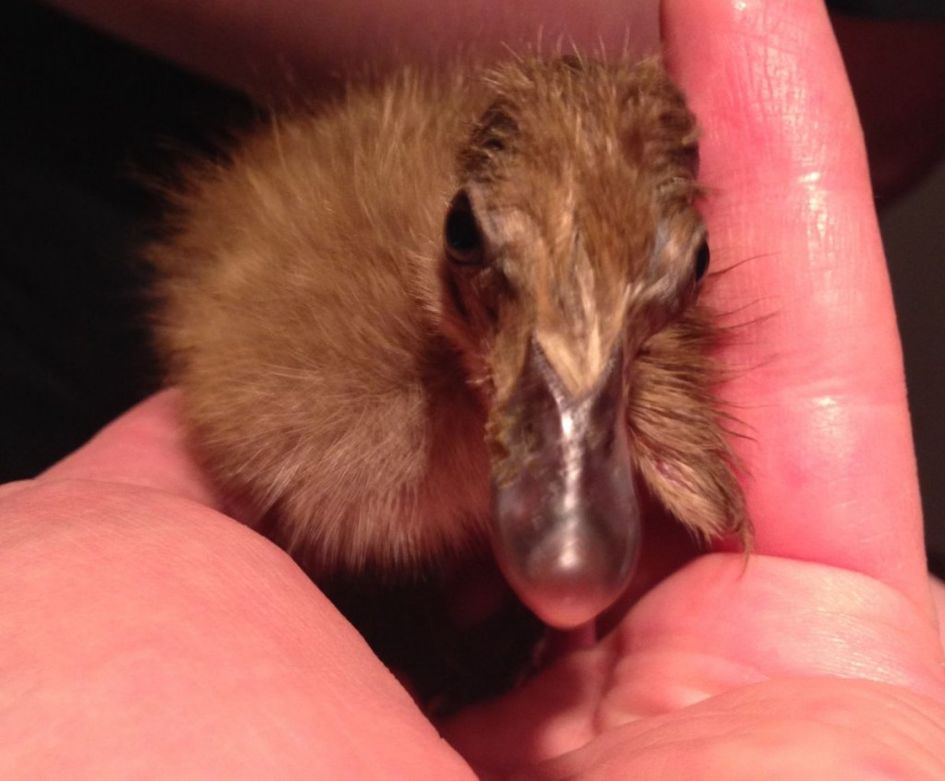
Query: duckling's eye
point(701, 260)
point(463, 237)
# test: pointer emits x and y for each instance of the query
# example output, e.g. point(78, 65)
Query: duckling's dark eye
point(463, 238)
point(701, 260)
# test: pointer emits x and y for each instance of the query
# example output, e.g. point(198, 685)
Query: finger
point(715, 627)
point(144, 447)
point(820, 385)
point(818, 730)
point(149, 636)
point(937, 588)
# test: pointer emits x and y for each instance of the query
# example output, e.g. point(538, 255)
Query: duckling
point(453, 318)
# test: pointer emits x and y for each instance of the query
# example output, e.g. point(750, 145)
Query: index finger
point(819, 383)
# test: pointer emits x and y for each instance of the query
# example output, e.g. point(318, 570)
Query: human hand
point(151, 635)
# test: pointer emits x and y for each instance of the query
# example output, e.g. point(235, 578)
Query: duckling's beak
point(566, 518)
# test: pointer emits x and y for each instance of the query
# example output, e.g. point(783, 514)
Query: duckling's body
point(360, 391)
point(302, 299)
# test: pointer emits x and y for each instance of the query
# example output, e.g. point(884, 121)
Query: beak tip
point(568, 561)
point(566, 567)
point(567, 613)
point(571, 591)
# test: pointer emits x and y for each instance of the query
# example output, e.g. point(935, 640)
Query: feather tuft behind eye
point(462, 234)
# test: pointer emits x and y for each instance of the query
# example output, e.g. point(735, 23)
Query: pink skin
point(267, 46)
point(147, 634)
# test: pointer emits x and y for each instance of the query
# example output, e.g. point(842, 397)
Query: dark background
point(86, 121)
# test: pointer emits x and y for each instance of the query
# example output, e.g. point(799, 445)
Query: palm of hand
point(718, 673)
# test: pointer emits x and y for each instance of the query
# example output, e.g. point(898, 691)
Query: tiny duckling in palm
point(457, 313)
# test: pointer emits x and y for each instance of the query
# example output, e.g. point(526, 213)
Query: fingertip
point(769, 75)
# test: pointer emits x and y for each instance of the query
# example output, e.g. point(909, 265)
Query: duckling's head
point(571, 241)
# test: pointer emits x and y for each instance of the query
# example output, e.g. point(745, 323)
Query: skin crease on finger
point(816, 728)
